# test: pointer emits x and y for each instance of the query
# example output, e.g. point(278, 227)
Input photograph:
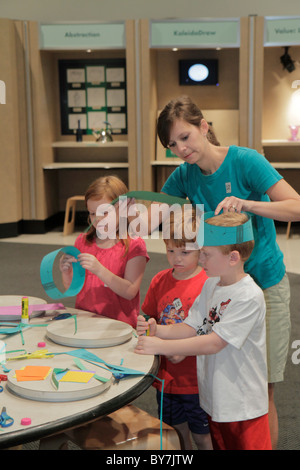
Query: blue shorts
point(178, 409)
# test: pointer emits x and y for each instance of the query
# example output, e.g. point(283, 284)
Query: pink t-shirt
point(169, 300)
point(95, 296)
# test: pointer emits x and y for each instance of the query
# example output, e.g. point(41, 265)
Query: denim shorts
point(178, 409)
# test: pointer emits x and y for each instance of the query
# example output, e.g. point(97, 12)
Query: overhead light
point(287, 62)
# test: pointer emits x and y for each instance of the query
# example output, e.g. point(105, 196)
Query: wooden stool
point(128, 428)
point(70, 214)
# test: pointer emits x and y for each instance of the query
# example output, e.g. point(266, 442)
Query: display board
point(93, 93)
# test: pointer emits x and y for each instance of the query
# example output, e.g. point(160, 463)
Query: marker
point(25, 316)
point(147, 332)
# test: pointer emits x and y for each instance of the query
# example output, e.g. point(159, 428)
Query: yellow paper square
point(77, 376)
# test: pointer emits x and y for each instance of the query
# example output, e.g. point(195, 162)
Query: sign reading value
point(282, 31)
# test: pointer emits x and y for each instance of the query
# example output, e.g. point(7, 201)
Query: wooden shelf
point(87, 144)
point(277, 165)
point(165, 163)
point(85, 165)
point(280, 143)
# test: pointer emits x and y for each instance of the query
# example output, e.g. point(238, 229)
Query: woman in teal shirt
point(236, 178)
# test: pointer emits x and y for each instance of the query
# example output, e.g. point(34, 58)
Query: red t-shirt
point(95, 296)
point(168, 300)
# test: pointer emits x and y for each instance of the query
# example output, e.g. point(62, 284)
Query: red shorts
point(252, 434)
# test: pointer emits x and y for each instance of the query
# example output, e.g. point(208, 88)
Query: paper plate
point(92, 332)
point(45, 390)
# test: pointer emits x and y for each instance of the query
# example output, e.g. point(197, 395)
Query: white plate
point(92, 332)
point(44, 390)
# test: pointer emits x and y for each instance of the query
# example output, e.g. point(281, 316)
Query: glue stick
point(24, 316)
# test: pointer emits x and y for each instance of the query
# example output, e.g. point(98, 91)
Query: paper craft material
point(77, 376)
point(29, 373)
point(11, 308)
point(81, 366)
point(46, 274)
point(152, 196)
point(46, 390)
point(214, 235)
point(92, 332)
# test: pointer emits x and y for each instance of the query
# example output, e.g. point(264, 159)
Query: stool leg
point(288, 230)
point(69, 224)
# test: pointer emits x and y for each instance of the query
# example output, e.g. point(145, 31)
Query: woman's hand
point(232, 204)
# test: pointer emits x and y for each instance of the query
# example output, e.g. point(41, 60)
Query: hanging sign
point(199, 34)
point(282, 31)
point(82, 36)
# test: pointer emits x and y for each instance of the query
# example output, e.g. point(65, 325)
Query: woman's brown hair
point(181, 108)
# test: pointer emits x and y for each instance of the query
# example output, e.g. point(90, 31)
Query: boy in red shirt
point(171, 294)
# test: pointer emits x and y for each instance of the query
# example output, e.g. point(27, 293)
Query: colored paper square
point(32, 373)
point(77, 376)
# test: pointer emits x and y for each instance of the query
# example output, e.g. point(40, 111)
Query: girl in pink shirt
point(114, 265)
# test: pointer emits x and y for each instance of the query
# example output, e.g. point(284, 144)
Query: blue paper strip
point(46, 274)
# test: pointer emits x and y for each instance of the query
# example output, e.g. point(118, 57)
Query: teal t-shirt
point(245, 174)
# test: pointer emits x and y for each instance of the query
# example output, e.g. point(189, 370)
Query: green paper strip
point(54, 374)
point(152, 196)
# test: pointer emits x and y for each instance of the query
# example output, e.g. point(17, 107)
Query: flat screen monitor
point(198, 72)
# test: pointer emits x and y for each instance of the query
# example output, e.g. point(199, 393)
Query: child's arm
point(126, 287)
point(188, 346)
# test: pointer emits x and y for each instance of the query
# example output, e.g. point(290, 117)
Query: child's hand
point(65, 262)
point(143, 325)
point(89, 262)
point(148, 345)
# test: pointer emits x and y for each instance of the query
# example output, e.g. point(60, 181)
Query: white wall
point(113, 10)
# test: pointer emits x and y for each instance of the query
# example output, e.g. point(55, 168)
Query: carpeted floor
point(19, 275)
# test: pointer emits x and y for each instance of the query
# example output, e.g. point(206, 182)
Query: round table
point(53, 417)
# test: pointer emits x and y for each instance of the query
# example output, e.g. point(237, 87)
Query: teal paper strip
point(46, 274)
point(151, 196)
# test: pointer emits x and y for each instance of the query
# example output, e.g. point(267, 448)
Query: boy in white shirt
point(225, 329)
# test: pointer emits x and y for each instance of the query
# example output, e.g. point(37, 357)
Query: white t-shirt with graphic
point(232, 383)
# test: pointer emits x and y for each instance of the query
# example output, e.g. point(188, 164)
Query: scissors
point(5, 420)
point(2, 377)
